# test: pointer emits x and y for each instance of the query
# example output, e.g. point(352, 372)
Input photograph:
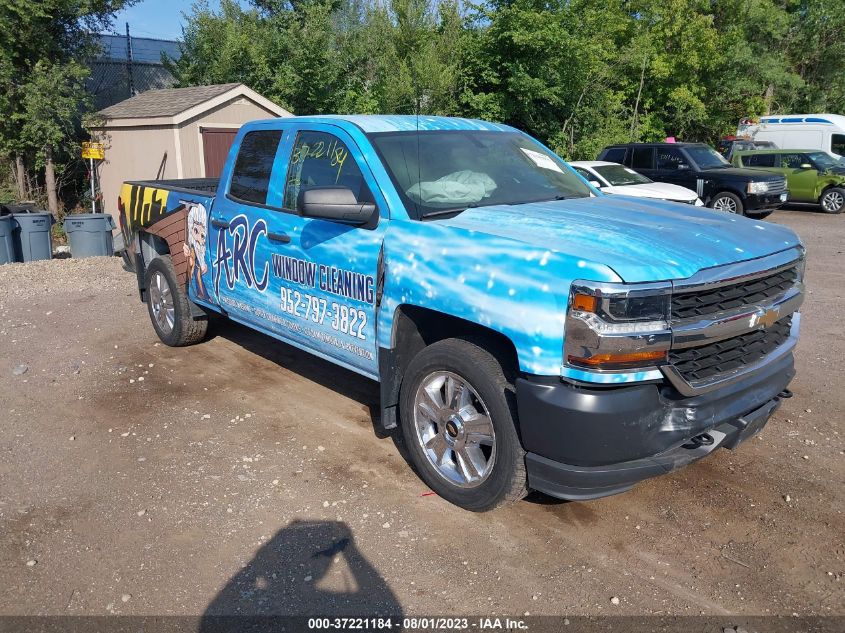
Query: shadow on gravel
point(322, 372)
point(309, 568)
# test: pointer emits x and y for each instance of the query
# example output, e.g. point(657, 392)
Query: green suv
point(811, 175)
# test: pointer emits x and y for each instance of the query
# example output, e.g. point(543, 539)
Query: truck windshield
point(619, 176)
point(706, 157)
point(443, 172)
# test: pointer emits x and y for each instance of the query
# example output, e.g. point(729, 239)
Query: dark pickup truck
point(699, 167)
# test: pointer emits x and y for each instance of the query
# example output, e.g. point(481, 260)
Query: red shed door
point(215, 147)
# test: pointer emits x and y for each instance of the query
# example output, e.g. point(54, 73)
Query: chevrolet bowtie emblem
point(768, 318)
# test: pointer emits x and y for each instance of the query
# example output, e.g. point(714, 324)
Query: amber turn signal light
point(584, 303)
point(616, 361)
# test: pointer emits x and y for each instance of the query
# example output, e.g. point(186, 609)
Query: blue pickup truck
point(526, 330)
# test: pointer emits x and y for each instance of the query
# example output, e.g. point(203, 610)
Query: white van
point(798, 131)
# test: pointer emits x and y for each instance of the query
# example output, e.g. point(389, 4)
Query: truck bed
point(188, 185)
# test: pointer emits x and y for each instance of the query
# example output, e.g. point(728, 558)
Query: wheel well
point(415, 328)
point(733, 192)
point(152, 246)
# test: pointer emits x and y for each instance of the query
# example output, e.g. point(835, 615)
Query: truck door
point(328, 273)
point(311, 282)
point(641, 159)
point(673, 167)
point(802, 180)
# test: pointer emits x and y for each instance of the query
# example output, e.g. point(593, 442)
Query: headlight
point(757, 187)
point(617, 326)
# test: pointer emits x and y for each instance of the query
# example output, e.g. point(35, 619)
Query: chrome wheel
point(161, 302)
point(832, 201)
point(725, 204)
point(454, 429)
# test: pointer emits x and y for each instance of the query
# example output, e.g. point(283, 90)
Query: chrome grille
point(702, 303)
point(700, 363)
point(777, 186)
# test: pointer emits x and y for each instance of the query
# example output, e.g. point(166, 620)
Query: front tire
point(458, 416)
point(759, 215)
point(727, 202)
point(168, 306)
point(833, 200)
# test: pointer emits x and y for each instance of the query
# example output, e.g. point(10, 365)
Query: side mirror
point(596, 184)
point(338, 204)
point(806, 166)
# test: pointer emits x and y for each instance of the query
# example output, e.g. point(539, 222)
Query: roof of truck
point(372, 123)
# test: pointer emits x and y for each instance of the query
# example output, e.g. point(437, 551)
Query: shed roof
point(164, 103)
point(172, 106)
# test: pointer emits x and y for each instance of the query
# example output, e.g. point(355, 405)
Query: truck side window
point(643, 158)
point(792, 161)
point(319, 159)
point(670, 158)
point(759, 160)
point(584, 173)
point(614, 155)
point(837, 144)
point(251, 175)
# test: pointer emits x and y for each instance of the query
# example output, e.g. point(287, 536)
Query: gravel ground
point(241, 475)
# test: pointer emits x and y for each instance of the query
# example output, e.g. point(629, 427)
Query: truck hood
point(744, 173)
point(647, 240)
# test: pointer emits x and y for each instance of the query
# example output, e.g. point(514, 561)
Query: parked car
point(527, 331)
point(618, 179)
point(701, 168)
point(730, 144)
point(812, 176)
point(825, 132)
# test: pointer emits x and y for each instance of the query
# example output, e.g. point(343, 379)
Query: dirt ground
point(242, 474)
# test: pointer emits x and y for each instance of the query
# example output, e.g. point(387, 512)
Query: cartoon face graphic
point(194, 247)
point(197, 219)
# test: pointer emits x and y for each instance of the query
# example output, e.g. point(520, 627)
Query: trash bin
point(7, 242)
point(89, 234)
point(32, 236)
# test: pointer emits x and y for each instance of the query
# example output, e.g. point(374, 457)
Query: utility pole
point(129, 78)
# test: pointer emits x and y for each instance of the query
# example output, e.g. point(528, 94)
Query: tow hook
point(786, 394)
point(699, 440)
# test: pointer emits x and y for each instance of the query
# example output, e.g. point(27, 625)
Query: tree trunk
point(768, 97)
point(637, 103)
point(20, 178)
point(50, 182)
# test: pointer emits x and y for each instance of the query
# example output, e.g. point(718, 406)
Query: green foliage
point(44, 47)
point(578, 74)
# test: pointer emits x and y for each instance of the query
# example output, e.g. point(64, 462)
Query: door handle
point(279, 237)
point(220, 224)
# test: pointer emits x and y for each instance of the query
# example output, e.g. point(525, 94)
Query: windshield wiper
point(438, 212)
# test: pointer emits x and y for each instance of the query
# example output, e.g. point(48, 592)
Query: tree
point(43, 46)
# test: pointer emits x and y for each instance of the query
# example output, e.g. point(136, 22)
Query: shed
point(174, 133)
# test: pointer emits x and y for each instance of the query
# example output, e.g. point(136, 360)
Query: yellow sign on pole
point(94, 151)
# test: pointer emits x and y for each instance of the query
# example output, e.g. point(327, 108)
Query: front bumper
point(764, 201)
point(585, 443)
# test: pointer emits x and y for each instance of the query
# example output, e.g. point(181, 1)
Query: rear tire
point(727, 202)
point(168, 306)
point(458, 417)
point(833, 200)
